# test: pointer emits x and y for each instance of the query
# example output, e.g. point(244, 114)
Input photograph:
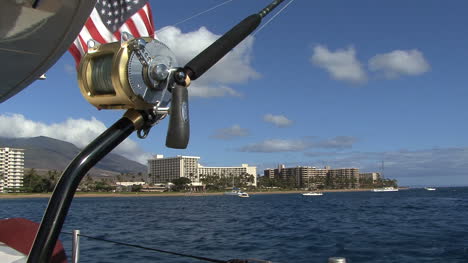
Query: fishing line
point(273, 17)
point(194, 16)
point(151, 249)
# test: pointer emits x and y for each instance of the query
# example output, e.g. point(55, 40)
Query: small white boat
point(385, 189)
point(430, 188)
point(312, 193)
point(243, 194)
point(234, 191)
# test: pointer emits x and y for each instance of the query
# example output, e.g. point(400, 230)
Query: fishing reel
point(139, 74)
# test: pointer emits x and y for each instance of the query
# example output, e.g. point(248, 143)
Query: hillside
point(51, 154)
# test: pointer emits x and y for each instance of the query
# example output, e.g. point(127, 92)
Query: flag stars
point(116, 12)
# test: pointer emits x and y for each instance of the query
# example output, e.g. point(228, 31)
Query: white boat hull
point(312, 194)
point(385, 189)
point(244, 195)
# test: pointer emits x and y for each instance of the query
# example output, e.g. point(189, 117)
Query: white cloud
point(341, 64)
point(207, 92)
point(277, 145)
point(230, 133)
point(79, 132)
point(399, 62)
point(338, 142)
point(297, 145)
point(233, 68)
point(277, 120)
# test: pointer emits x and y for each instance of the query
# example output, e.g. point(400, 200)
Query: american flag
point(109, 19)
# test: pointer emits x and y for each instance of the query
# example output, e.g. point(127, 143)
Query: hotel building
point(11, 169)
point(235, 171)
point(303, 176)
point(374, 177)
point(164, 170)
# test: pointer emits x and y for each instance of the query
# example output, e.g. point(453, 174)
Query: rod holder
point(76, 246)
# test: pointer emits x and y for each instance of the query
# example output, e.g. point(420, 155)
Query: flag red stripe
point(148, 24)
point(75, 53)
point(132, 27)
point(94, 31)
point(117, 35)
point(151, 21)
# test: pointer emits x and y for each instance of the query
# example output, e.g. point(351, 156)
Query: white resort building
point(164, 170)
point(11, 169)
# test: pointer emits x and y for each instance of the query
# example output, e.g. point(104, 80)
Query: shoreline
point(165, 194)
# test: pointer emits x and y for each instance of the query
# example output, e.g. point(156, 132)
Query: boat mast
point(382, 175)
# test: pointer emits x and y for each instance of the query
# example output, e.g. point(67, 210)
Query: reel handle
point(178, 132)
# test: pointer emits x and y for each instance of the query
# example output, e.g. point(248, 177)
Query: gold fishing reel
point(138, 74)
point(134, 73)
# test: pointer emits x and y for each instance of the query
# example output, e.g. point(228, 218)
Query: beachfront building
point(299, 176)
point(231, 171)
point(11, 169)
point(368, 180)
point(270, 173)
point(313, 177)
point(164, 170)
point(344, 177)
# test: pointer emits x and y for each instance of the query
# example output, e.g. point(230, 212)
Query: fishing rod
point(140, 75)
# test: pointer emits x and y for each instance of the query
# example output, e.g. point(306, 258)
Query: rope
point(273, 17)
point(151, 249)
point(194, 16)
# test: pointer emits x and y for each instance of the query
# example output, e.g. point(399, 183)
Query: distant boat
point(234, 191)
point(312, 193)
point(237, 192)
point(385, 189)
point(430, 188)
point(243, 194)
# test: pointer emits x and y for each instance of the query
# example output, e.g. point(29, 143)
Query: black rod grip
point(212, 54)
point(178, 132)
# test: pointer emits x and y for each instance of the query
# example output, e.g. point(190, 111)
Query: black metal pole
point(62, 197)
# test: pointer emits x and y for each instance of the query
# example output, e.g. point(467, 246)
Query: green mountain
point(45, 153)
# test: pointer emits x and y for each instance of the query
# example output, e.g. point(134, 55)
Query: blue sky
point(339, 83)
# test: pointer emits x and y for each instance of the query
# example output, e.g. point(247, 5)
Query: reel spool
point(135, 73)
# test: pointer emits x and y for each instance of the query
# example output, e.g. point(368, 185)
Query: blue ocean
point(406, 226)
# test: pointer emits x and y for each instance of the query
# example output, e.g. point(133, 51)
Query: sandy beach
point(140, 194)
